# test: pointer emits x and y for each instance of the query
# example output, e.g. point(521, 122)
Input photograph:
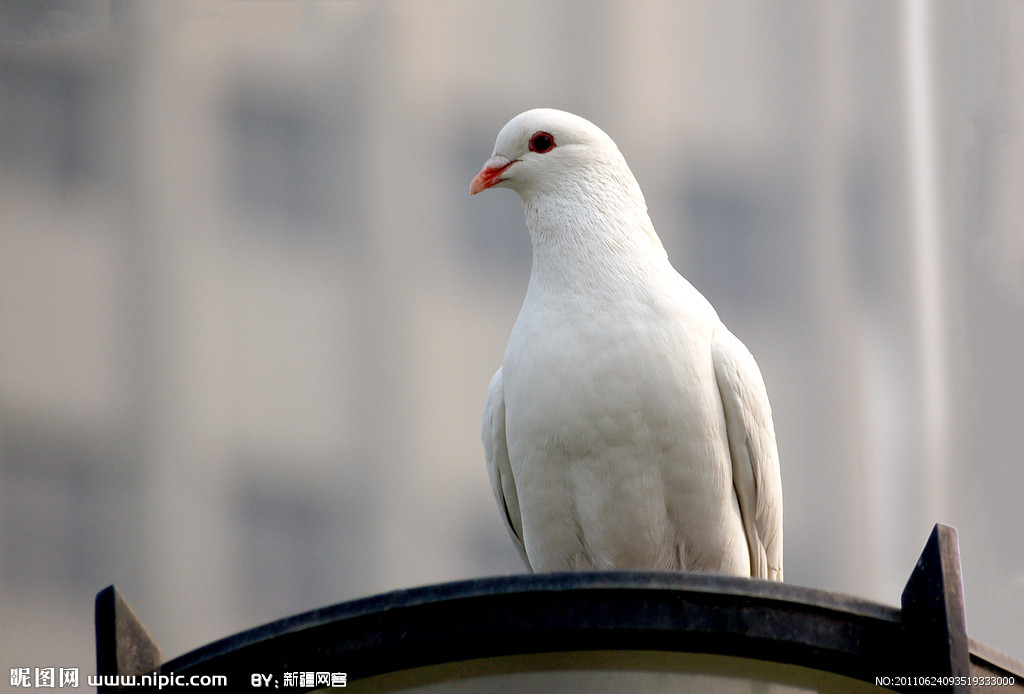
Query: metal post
point(933, 610)
point(123, 645)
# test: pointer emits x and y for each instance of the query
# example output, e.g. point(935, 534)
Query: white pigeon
point(627, 428)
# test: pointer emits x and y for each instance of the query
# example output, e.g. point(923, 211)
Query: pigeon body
point(627, 428)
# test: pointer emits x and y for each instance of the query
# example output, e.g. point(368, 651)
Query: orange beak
point(490, 174)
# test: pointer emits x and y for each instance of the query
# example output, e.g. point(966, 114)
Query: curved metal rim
point(454, 623)
point(567, 611)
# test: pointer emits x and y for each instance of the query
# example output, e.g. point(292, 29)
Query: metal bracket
point(123, 644)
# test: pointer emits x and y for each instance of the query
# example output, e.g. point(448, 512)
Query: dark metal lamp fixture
point(593, 632)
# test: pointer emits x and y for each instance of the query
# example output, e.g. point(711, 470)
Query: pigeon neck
point(606, 244)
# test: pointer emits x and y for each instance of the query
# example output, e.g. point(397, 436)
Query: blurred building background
point(249, 312)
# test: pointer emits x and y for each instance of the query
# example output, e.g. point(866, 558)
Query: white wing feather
point(755, 457)
point(498, 465)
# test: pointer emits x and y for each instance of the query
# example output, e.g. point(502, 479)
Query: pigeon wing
point(755, 457)
point(499, 467)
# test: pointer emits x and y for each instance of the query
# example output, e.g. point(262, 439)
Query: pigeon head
point(550, 151)
point(577, 190)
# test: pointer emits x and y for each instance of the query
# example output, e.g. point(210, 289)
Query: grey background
point(248, 310)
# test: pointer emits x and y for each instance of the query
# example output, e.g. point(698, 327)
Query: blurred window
point(45, 122)
point(58, 501)
point(283, 545)
point(277, 161)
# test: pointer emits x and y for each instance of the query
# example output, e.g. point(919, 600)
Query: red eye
point(541, 142)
